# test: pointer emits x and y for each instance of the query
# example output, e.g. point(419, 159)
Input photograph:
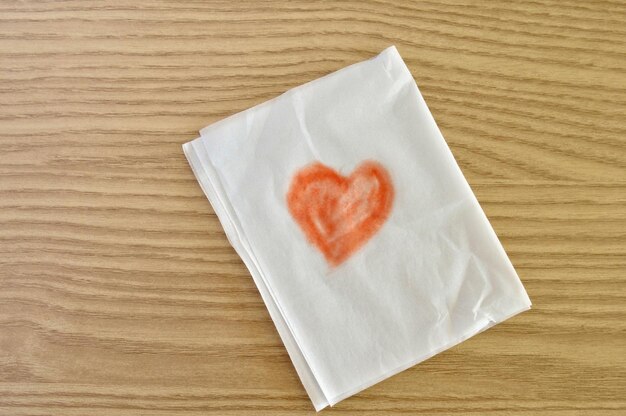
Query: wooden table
point(119, 293)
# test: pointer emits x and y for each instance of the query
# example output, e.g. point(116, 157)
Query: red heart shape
point(340, 214)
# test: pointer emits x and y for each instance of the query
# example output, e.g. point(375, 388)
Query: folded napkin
point(367, 244)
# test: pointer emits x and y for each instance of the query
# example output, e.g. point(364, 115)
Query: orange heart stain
point(340, 214)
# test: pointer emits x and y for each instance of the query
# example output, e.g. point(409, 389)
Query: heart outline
point(340, 214)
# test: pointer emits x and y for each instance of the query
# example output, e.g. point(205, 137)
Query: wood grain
point(119, 293)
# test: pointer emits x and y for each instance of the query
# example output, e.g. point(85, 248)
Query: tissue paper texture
point(364, 239)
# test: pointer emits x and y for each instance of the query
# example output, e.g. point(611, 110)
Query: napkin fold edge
point(316, 394)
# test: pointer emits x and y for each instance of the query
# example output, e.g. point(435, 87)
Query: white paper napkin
point(364, 239)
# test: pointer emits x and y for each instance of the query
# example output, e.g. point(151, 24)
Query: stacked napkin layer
point(363, 237)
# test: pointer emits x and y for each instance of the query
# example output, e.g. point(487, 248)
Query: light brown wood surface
point(119, 293)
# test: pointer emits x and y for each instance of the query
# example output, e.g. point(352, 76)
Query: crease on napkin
point(211, 190)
